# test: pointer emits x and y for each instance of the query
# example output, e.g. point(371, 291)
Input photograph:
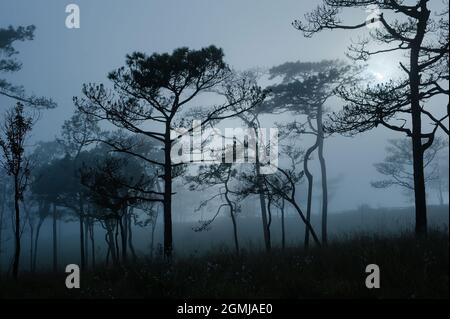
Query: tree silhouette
point(77, 134)
point(9, 64)
point(424, 40)
point(398, 164)
point(221, 176)
point(115, 184)
point(14, 132)
point(151, 92)
point(304, 89)
point(283, 186)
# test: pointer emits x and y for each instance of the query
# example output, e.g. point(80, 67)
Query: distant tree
point(152, 91)
point(424, 39)
point(45, 182)
point(221, 176)
point(304, 89)
point(78, 133)
point(440, 183)
point(115, 184)
point(252, 120)
point(54, 185)
point(9, 64)
point(283, 186)
point(398, 164)
point(3, 192)
point(14, 132)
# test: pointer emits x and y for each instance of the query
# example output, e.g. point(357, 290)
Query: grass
point(410, 268)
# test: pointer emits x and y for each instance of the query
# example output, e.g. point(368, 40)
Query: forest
point(175, 173)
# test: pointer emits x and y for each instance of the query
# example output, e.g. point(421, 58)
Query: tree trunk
point(307, 223)
point(232, 215)
point(152, 243)
point(55, 238)
point(36, 240)
point(16, 229)
point(31, 245)
point(262, 201)
point(269, 214)
point(116, 240)
point(91, 235)
point(109, 237)
point(323, 172)
point(123, 237)
point(86, 240)
point(441, 193)
point(130, 235)
point(418, 149)
point(81, 220)
point(283, 231)
point(2, 210)
point(168, 244)
point(309, 177)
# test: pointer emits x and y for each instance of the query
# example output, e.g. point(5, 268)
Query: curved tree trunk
point(232, 215)
point(323, 171)
point(309, 176)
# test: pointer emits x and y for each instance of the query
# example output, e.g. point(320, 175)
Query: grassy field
point(410, 268)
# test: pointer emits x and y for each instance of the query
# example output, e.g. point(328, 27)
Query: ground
point(409, 268)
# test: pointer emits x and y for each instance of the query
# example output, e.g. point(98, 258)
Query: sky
point(253, 33)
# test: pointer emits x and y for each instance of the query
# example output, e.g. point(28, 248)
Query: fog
point(254, 34)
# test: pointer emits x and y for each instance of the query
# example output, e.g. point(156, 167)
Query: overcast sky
point(253, 33)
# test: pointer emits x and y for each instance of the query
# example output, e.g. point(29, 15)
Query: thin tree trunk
point(109, 237)
point(92, 236)
point(441, 194)
point(81, 220)
point(31, 245)
point(130, 235)
point(123, 237)
point(232, 215)
point(17, 229)
point(323, 172)
point(116, 240)
point(283, 230)
point(36, 240)
point(307, 223)
point(168, 240)
point(55, 245)
point(309, 177)
point(269, 213)
point(262, 201)
point(86, 240)
point(152, 243)
point(2, 210)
